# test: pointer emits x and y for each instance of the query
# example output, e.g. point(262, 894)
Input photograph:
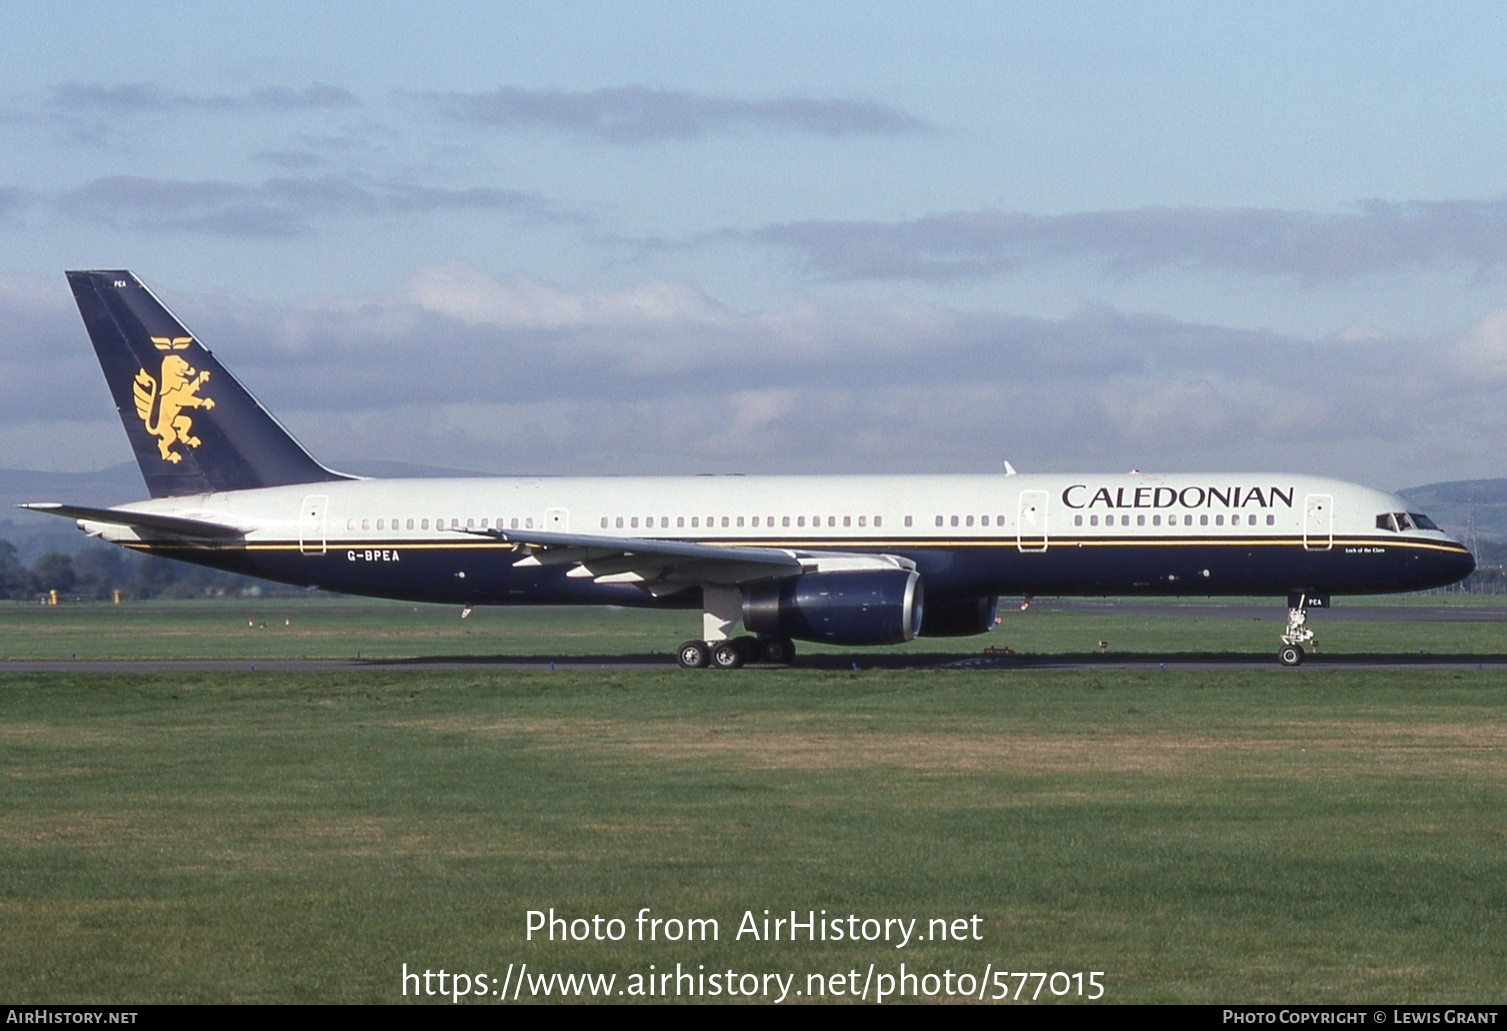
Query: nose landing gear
point(1291, 653)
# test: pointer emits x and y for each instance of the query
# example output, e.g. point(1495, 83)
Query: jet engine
point(852, 607)
point(949, 616)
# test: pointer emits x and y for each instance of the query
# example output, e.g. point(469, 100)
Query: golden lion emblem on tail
point(176, 388)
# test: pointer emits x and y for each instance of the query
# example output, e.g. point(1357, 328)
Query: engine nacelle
point(880, 606)
point(950, 616)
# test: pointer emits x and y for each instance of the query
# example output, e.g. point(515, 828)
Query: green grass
point(323, 629)
point(342, 629)
point(1311, 835)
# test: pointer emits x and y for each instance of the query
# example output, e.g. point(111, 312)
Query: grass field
point(1208, 836)
point(343, 629)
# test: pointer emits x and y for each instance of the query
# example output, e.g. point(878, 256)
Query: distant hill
point(1452, 504)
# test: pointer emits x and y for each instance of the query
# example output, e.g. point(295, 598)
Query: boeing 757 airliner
point(847, 560)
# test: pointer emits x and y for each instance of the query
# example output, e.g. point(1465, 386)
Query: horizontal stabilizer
point(177, 526)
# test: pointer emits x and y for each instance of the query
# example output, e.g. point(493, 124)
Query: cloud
point(466, 370)
point(1480, 353)
point(143, 97)
point(462, 293)
point(641, 114)
point(291, 160)
point(1376, 238)
point(282, 206)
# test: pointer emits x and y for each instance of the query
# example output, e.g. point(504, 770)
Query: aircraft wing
point(153, 522)
point(666, 566)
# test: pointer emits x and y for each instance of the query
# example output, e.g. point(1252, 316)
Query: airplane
point(844, 560)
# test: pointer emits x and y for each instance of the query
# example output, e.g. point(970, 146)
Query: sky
point(603, 238)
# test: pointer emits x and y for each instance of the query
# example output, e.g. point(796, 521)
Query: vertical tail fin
point(193, 427)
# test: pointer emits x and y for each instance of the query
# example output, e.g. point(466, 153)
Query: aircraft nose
point(1455, 565)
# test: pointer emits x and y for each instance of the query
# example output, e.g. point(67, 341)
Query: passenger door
point(1031, 521)
point(311, 524)
point(1318, 522)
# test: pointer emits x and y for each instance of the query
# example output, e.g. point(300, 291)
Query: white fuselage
point(1002, 534)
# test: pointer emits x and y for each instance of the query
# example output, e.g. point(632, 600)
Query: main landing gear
point(722, 607)
point(1291, 653)
point(736, 652)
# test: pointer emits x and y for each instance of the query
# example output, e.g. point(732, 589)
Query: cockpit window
point(1399, 522)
